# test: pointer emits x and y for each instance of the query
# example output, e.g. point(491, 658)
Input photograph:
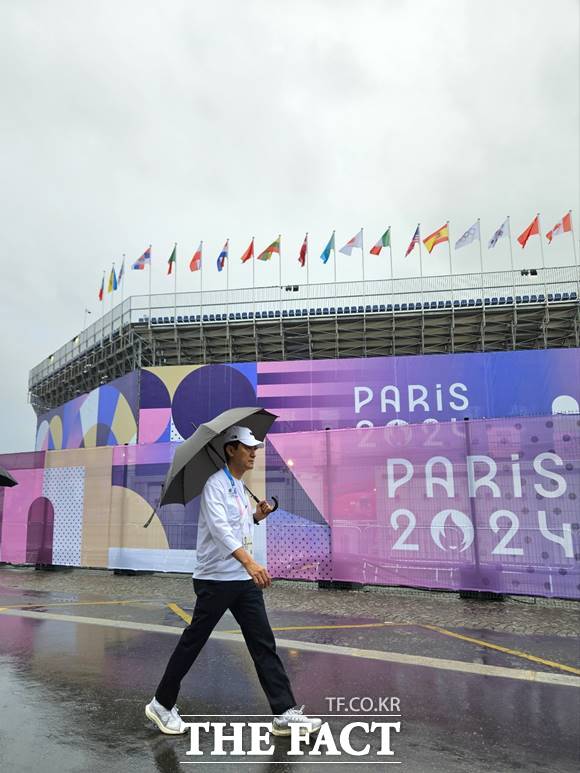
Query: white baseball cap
point(243, 434)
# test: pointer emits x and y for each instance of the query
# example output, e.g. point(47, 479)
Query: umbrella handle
point(275, 500)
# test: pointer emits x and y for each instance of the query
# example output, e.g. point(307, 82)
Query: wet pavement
point(492, 687)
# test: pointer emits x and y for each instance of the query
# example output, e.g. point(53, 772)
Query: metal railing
point(141, 308)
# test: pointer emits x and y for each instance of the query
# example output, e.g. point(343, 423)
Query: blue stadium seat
point(494, 301)
point(389, 306)
point(232, 315)
point(277, 313)
point(403, 307)
point(411, 307)
point(360, 309)
point(318, 312)
point(166, 320)
point(270, 315)
point(325, 311)
point(557, 296)
point(284, 312)
point(433, 304)
point(471, 302)
point(487, 301)
point(541, 297)
point(353, 309)
point(367, 309)
point(533, 298)
point(212, 317)
point(238, 315)
point(244, 315)
point(501, 300)
point(463, 303)
point(478, 302)
point(298, 312)
point(525, 298)
point(550, 296)
point(440, 304)
point(565, 296)
point(456, 303)
point(197, 318)
point(339, 310)
point(172, 320)
point(205, 318)
point(518, 298)
point(418, 306)
point(332, 310)
point(447, 304)
point(375, 308)
point(142, 319)
point(382, 307)
point(251, 315)
point(509, 299)
point(304, 312)
point(312, 312)
point(573, 296)
point(397, 307)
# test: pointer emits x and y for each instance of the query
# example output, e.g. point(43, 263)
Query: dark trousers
point(246, 602)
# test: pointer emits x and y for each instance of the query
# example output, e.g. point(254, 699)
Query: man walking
point(227, 577)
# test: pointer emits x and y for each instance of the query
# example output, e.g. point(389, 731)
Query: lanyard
point(235, 492)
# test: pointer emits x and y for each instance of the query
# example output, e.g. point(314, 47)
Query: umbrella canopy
point(198, 457)
point(6, 479)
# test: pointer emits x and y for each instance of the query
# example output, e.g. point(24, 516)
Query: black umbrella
point(201, 455)
point(6, 479)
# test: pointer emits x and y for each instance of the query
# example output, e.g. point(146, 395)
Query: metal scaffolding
point(496, 311)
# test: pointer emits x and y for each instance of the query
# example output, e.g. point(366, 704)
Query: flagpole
point(541, 244)
point(334, 250)
point(280, 271)
point(175, 288)
point(201, 261)
point(511, 258)
point(420, 262)
point(362, 246)
point(574, 248)
point(150, 269)
point(112, 296)
point(122, 286)
point(227, 261)
point(254, 295)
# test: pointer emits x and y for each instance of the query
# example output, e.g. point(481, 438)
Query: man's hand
point(263, 509)
point(259, 574)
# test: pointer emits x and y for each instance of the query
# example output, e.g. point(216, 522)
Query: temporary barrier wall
point(486, 504)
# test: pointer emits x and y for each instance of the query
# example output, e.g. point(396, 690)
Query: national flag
point(413, 242)
point(270, 250)
point(502, 232)
point(469, 236)
point(384, 241)
point(328, 249)
point(172, 259)
point(102, 290)
point(303, 252)
point(438, 236)
point(249, 253)
point(141, 262)
point(356, 241)
point(112, 281)
point(222, 257)
point(532, 230)
point(195, 262)
point(562, 226)
point(121, 271)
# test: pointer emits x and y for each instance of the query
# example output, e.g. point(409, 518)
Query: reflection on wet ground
point(72, 693)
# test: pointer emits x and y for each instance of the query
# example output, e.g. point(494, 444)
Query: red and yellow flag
point(441, 235)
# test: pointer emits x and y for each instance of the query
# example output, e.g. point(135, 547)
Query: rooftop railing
point(143, 308)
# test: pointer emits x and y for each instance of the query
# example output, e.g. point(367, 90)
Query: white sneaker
point(169, 722)
point(281, 724)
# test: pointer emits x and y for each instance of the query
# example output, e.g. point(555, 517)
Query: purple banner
point(479, 505)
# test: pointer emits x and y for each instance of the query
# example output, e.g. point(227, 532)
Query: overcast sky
point(129, 123)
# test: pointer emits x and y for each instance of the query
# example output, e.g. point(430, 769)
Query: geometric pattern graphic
point(64, 488)
point(105, 416)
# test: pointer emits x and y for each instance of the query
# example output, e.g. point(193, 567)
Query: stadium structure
point(492, 311)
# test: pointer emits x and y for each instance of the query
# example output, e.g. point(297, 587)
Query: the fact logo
point(253, 739)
